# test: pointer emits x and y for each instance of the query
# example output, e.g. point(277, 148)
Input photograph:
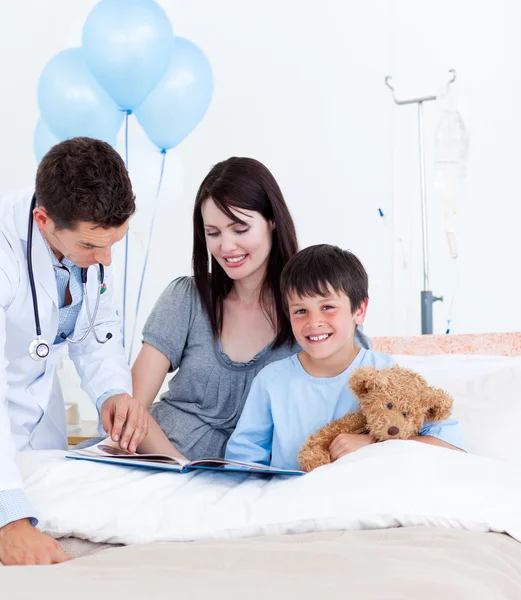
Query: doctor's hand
point(23, 544)
point(125, 419)
point(345, 443)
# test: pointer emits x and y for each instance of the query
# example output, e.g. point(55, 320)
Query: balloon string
point(127, 113)
point(125, 270)
point(151, 228)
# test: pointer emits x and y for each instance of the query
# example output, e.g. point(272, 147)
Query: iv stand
point(427, 297)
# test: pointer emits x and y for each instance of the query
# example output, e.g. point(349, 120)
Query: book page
point(110, 449)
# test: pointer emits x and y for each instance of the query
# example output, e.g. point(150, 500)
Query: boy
point(326, 296)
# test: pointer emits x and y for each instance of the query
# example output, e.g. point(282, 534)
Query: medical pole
point(427, 297)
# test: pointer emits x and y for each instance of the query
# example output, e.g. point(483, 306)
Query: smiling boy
point(326, 294)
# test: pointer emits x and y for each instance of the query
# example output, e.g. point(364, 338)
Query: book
point(108, 452)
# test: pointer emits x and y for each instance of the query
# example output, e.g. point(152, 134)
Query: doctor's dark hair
point(244, 184)
point(318, 268)
point(83, 179)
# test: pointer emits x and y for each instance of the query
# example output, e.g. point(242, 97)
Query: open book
point(107, 452)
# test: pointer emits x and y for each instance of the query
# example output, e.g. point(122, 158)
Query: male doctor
point(79, 208)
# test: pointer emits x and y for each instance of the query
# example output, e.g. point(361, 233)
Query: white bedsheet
point(383, 485)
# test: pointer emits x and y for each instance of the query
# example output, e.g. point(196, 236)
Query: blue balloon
point(180, 100)
point(72, 102)
point(44, 140)
point(127, 46)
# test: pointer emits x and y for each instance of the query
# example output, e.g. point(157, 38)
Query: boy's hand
point(345, 443)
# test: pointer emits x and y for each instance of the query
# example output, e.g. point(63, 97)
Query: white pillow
point(487, 398)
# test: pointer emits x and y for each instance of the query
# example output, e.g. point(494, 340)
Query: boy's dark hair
point(83, 179)
point(316, 268)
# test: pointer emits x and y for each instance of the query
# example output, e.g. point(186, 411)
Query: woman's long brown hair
point(244, 183)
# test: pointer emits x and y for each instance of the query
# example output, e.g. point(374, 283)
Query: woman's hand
point(345, 443)
point(157, 442)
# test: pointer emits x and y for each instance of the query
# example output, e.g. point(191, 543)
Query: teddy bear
point(394, 403)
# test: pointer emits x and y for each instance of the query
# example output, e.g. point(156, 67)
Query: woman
point(221, 327)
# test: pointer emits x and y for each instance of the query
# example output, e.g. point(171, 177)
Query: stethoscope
point(39, 349)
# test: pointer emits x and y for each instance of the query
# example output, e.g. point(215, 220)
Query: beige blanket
point(402, 564)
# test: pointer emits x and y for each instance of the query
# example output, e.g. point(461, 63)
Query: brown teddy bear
point(394, 404)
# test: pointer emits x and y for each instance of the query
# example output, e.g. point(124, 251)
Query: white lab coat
point(32, 414)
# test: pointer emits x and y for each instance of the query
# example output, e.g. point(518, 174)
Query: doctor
point(55, 289)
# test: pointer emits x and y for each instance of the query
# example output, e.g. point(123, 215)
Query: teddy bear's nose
point(393, 430)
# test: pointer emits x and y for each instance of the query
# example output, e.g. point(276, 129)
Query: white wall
point(300, 86)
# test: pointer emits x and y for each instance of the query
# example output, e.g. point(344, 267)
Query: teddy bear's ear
point(363, 380)
point(439, 405)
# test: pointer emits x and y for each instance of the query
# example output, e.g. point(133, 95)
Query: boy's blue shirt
point(286, 404)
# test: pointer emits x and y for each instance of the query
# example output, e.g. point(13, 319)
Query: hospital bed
point(465, 544)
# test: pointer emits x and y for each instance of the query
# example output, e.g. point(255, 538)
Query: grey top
point(206, 396)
